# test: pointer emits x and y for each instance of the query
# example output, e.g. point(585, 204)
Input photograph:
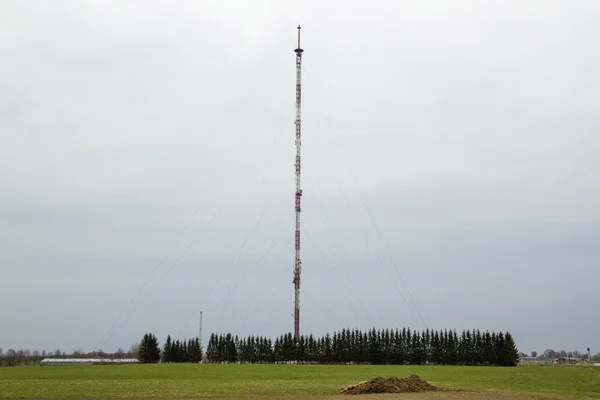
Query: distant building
point(569, 361)
point(88, 361)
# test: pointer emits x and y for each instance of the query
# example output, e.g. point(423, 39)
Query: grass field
point(194, 381)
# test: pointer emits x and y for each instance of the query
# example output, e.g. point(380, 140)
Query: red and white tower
point(298, 263)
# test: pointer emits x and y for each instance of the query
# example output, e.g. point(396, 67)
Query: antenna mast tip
point(298, 50)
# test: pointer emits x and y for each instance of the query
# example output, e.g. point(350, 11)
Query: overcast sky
point(449, 169)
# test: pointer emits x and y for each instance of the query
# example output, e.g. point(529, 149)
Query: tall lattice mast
point(298, 263)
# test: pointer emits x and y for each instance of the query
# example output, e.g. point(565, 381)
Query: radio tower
point(298, 263)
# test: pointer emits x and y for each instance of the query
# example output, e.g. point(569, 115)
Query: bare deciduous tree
point(134, 349)
point(11, 357)
point(26, 356)
point(120, 353)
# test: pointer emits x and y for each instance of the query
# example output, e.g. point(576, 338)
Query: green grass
point(182, 380)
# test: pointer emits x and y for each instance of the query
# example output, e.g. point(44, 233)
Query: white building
point(88, 361)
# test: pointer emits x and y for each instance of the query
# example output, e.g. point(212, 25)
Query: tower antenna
point(298, 263)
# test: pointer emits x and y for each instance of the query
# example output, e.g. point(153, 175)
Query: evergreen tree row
point(226, 348)
point(371, 347)
point(176, 351)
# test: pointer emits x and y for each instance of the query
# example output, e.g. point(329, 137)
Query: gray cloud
point(465, 132)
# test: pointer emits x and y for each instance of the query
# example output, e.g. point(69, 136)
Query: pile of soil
point(412, 384)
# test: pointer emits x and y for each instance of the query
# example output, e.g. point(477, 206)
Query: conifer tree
point(211, 349)
point(408, 346)
point(445, 347)
point(478, 347)
point(143, 349)
point(403, 352)
point(236, 341)
point(181, 357)
point(270, 350)
point(249, 350)
point(350, 346)
point(282, 348)
point(149, 350)
point(262, 349)
point(499, 349)
point(319, 357)
point(264, 352)
point(256, 348)
point(510, 352)
point(229, 350)
point(462, 349)
point(243, 350)
point(310, 348)
point(452, 348)
point(493, 360)
point(396, 348)
point(284, 345)
point(187, 345)
point(417, 349)
point(184, 351)
point(436, 349)
point(487, 349)
point(328, 350)
point(335, 348)
point(471, 356)
point(291, 347)
point(190, 351)
point(277, 350)
point(343, 346)
point(374, 347)
point(221, 348)
point(177, 351)
point(357, 347)
point(359, 357)
point(168, 350)
point(301, 346)
point(154, 348)
point(364, 348)
point(196, 356)
point(385, 347)
point(426, 346)
point(347, 346)
point(319, 346)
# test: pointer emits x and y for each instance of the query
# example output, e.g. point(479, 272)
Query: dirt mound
point(412, 384)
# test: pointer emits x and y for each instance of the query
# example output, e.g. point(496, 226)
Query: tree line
point(182, 351)
point(370, 347)
point(174, 351)
point(387, 346)
point(551, 354)
point(25, 357)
